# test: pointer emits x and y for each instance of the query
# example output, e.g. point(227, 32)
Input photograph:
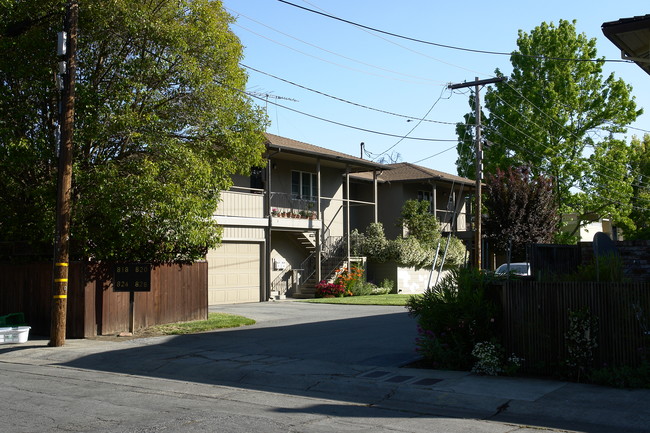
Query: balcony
point(245, 207)
point(462, 225)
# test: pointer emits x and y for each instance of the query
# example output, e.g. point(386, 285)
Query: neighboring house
point(285, 227)
point(589, 229)
point(632, 37)
point(449, 199)
point(448, 195)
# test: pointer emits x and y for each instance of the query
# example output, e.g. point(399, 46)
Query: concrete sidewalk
point(345, 353)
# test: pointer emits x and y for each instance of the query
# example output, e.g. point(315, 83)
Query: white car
point(515, 269)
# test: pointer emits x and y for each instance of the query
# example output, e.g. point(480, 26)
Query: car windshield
point(516, 268)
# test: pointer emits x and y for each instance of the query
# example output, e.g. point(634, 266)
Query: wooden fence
point(177, 294)
point(536, 319)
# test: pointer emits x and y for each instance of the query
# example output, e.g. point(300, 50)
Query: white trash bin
point(14, 334)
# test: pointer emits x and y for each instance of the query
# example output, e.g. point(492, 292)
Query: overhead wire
point(416, 125)
point(325, 60)
point(545, 114)
point(452, 47)
point(572, 185)
point(404, 47)
point(344, 124)
point(426, 79)
point(342, 99)
point(391, 34)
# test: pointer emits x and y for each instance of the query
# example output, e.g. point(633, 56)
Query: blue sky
point(398, 77)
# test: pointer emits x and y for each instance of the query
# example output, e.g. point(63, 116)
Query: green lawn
point(364, 300)
point(215, 321)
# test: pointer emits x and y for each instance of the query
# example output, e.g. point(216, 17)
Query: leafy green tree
point(640, 173)
point(557, 113)
point(521, 209)
point(160, 126)
point(419, 222)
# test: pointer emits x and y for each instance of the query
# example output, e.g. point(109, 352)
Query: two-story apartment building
point(286, 224)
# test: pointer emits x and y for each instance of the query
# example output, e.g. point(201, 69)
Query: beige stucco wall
point(407, 280)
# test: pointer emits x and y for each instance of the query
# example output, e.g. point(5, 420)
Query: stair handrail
point(332, 246)
point(276, 284)
point(308, 267)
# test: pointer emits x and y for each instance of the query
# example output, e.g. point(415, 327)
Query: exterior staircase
point(333, 257)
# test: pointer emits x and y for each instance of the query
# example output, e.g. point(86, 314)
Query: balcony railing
point(447, 223)
point(248, 203)
point(290, 205)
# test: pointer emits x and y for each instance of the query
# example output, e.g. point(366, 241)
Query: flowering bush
point(581, 340)
point(329, 290)
point(433, 348)
point(488, 357)
point(453, 316)
point(351, 279)
point(490, 362)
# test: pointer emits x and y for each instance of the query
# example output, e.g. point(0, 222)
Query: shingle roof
point(405, 171)
point(298, 147)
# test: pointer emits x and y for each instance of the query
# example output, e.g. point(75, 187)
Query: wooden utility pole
point(64, 191)
point(479, 162)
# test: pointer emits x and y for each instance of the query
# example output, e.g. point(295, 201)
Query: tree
point(419, 222)
point(521, 209)
point(639, 228)
point(160, 126)
point(557, 114)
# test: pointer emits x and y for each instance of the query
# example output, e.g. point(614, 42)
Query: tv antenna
point(268, 95)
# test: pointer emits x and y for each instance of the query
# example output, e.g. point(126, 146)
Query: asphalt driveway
point(354, 334)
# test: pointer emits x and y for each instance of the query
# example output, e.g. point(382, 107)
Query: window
point(426, 196)
point(257, 178)
point(304, 185)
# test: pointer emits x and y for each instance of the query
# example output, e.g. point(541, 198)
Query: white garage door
point(234, 273)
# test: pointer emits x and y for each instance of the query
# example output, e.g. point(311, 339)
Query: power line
point(404, 47)
point(571, 185)
point(346, 125)
point(452, 47)
point(416, 125)
point(344, 100)
point(436, 154)
point(324, 49)
point(545, 114)
point(328, 61)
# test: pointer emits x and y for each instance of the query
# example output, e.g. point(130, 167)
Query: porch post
point(267, 241)
point(434, 191)
point(320, 237)
point(347, 208)
point(459, 205)
point(374, 185)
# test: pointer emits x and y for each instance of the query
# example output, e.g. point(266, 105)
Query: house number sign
point(132, 277)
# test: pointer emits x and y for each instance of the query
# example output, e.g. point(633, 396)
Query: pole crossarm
point(477, 83)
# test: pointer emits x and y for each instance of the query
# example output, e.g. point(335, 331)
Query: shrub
point(329, 290)
point(488, 358)
point(581, 340)
point(409, 251)
point(387, 283)
point(622, 377)
point(351, 279)
point(453, 316)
